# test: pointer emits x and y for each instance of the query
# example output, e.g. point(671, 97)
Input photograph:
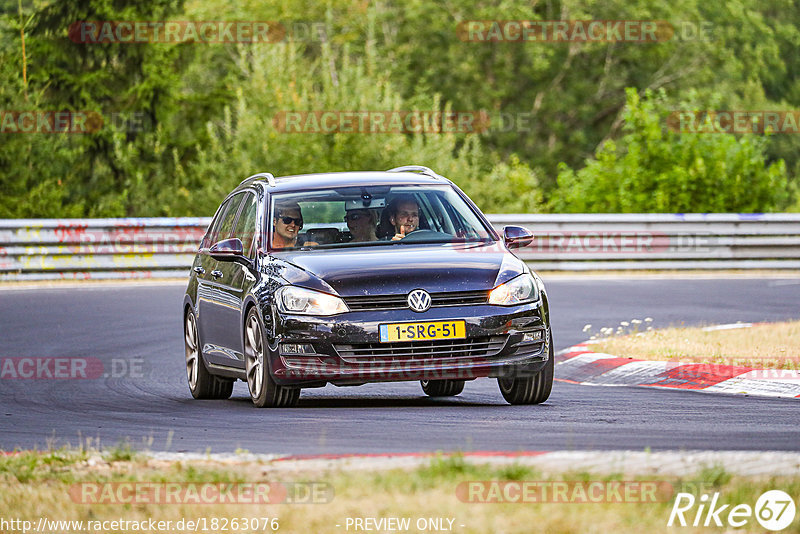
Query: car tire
point(202, 384)
point(264, 392)
point(442, 388)
point(530, 389)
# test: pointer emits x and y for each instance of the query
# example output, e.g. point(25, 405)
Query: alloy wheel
point(192, 351)
point(254, 356)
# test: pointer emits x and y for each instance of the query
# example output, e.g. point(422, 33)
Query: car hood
point(385, 270)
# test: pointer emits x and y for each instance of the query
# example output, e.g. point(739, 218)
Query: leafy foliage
point(651, 169)
point(185, 122)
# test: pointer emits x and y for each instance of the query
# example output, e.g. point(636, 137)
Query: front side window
point(372, 216)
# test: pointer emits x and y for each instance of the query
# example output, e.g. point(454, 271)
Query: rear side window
point(223, 225)
point(246, 225)
point(226, 227)
point(213, 228)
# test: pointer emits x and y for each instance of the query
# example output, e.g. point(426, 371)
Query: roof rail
point(418, 168)
point(268, 175)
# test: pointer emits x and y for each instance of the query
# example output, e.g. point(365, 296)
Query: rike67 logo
point(774, 510)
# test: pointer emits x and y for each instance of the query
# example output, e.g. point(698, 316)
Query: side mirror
point(227, 249)
point(517, 236)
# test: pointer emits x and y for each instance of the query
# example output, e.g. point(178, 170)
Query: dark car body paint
point(222, 305)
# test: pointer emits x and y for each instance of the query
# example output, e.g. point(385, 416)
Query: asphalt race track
point(136, 331)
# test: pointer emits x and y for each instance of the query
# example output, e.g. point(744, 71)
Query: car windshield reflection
point(365, 217)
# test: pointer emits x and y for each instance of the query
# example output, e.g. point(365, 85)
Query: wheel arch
point(188, 304)
point(251, 302)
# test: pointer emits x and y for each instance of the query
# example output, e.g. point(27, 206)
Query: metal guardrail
point(80, 249)
point(83, 249)
point(578, 242)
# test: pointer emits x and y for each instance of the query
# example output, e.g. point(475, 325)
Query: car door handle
point(199, 270)
point(216, 274)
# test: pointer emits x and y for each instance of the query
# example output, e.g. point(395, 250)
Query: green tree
point(652, 169)
point(277, 80)
point(207, 116)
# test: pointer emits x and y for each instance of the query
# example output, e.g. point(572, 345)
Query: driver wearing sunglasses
point(287, 225)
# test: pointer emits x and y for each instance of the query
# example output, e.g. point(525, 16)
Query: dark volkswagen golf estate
point(356, 277)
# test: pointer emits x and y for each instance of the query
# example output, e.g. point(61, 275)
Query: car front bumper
point(347, 348)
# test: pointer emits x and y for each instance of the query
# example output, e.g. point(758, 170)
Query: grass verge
point(35, 485)
point(764, 346)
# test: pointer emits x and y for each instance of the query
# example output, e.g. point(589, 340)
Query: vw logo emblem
point(419, 300)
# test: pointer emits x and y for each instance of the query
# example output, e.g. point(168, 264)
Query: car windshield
point(373, 216)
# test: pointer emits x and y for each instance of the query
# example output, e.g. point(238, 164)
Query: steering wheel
point(422, 234)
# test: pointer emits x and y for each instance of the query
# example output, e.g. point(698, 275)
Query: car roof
point(304, 182)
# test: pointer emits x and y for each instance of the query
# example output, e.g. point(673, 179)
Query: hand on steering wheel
point(401, 235)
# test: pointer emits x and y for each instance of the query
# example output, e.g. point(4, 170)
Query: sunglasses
point(288, 220)
point(355, 216)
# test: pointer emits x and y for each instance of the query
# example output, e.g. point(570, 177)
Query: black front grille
point(399, 302)
point(422, 351)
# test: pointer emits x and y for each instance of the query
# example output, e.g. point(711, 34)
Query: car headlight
point(302, 301)
point(516, 291)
